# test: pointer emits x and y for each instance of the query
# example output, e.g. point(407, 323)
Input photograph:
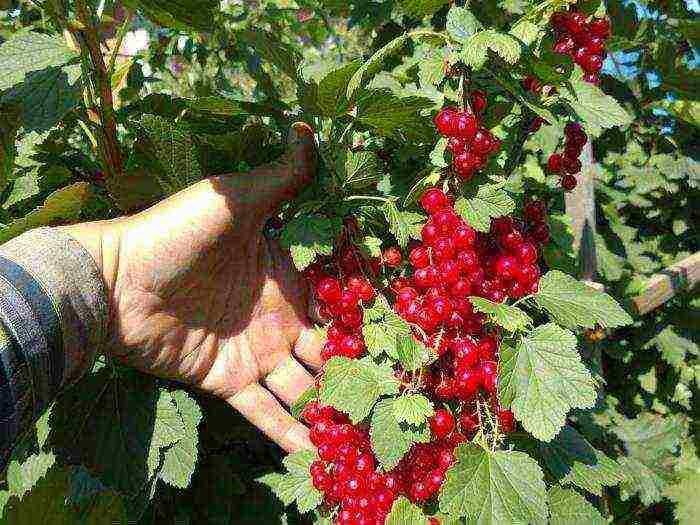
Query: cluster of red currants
point(567, 164)
point(469, 143)
point(582, 40)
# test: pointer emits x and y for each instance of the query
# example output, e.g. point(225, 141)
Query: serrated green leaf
point(570, 508)
point(507, 378)
point(29, 52)
point(9, 126)
point(180, 460)
point(462, 24)
point(412, 353)
point(374, 64)
point(332, 89)
point(421, 8)
point(640, 481)
point(674, 348)
point(413, 409)
point(525, 30)
point(45, 96)
point(393, 116)
point(403, 512)
point(431, 67)
point(403, 224)
point(390, 439)
point(372, 246)
point(489, 202)
point(21, 477)
point(509, 317)
point(358, 169)
point(381, 328)
point(308, 237)
point(500, 487)
point(573, 303)
point(550, 381)
point(295, 486)
point(597, 110)
point(353, 386)
point(63, 205)
point(475, 50)
point(43, 179)
point(174, 156)
point(437, 156)
point(574, 461)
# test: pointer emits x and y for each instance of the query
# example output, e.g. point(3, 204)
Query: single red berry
point(419, 492)
point(348, 301)
point(481, 144)
point(575, 134)
point(465, 125)
point(536, 124)
point(596, 45)
point(576, 22)
point(328, 290)
point(443, 249)
point(445, 121)
point(461, 288)
point(392, 257)
point(572, 151)
point(591, 64)
point(555, 163)
point(446, 220)
point(449, 272)
point(591, 78)
point(456, 145)
point(352, 319)
point(467, 383)
point(466, 164)
point(434, 199)
point(445, 389)
point(526, 253)
point(599, 27)
point(559, 20)
point(580, 54)
point(406, 295)
point(568, 182)
point(506, 266)
point(489, 376)
point(429, 233)
point(506, 420)
point(488, 347)
point(468, 421)
point(511, 240)
point(433, 521)
point(532, 84)
point(535, 211)
point(322, 481)
point(442, 423)
point(466, 353)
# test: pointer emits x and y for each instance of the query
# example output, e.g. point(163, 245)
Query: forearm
point(53, 319)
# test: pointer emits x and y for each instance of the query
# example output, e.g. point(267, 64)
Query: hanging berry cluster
point(469, 143)
point(567, 164)
point(430, 289)
point(582, 40)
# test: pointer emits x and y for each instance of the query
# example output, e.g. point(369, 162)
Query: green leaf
point(641, 481)
point(391, 439)
point(9, 126)
point(296, 486)
point(674, 348)
point(43, 179)
point(437, 156)
point(396, 117)
point(525, 30)
point(374, 64)
point(570, 508)
point(597, 110)
point(28, 52)
point(107, 423)
point(572, 303)
point(403, 512)
point(63, 205)
point(412, 353)
point(184, 15)
point(358, 169)
point(353, 386)
point(550, 380)
point(21, 477)
point(509, 317)
point(413, 409)
point(403, 224)
point(271, 48)
point(499, 487)
point(173, 153)
point(684, 494)
point(310, 236)
point(180, 459)
point(507, 378)
point(332, 89)
point(462, 24)
point(574, 461)
point(45, 96)
point(382, 327)
point(489, 202)
point(475, 50)
point(371, 246)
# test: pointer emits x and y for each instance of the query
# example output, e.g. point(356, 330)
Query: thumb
point(267, 187)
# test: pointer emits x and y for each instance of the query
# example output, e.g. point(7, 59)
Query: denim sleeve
point(53, 320)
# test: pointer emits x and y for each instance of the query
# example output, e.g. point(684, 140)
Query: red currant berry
point(571, 166)
point(591, 64)
point(535, 211)
point(456, 145)
point(467, 383)
point(555, 163)
point(506, 266)
point(526, 253)
point(531, 84)
point(464, 125)
point(481, 144)
point(460, 288)
point(479, 101)
point(429, 233)
point(591, 78)
point(442, 423)
point(322, 481)
point(445, 121)
point(564, 46)
point(489, 376)
point(433, 200)
point(468, 421)
point(599, 27)
point(506, 420)
point(328, 290)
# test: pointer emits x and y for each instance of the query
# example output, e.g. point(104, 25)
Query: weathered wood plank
point(679, 277)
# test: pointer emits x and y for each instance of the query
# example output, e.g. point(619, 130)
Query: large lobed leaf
point(308, 237)
point(185, 15)
point(494, 487)
point(490, 201)
point(509, 317)
point(353, 386)
point(568, 507)
point(572, 303)
point(295, 486)
point(546, 379)
point(390, 438)
point(597, 110)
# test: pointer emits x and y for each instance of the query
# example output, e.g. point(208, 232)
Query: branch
point(109, 143)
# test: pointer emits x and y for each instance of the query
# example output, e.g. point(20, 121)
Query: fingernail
point(300, 134)
point(302, 144)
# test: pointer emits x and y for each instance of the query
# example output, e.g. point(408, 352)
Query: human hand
point(199, 295)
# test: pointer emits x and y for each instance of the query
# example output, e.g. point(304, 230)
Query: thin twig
point(121, 33)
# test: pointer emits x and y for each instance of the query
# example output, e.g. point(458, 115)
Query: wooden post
point(661, 287)
point(580, 206)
